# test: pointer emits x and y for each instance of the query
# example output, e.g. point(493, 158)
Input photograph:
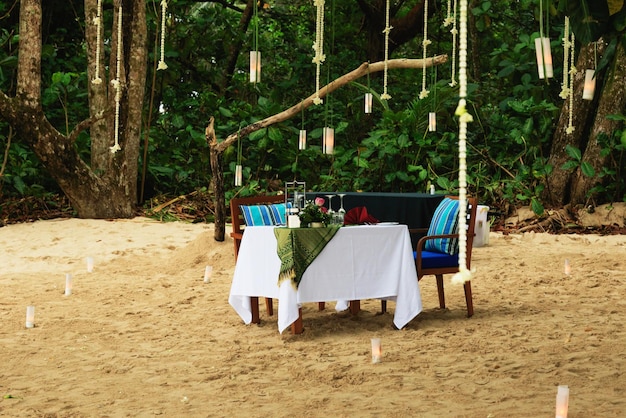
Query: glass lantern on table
point(295, 199)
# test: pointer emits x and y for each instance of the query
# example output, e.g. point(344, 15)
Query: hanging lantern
point(328, 146)
point(238, 175)
point(302, 139)
point(368, 102)
point(544, 57)
point(590, 85)
point(255, 66)
point(432, 122)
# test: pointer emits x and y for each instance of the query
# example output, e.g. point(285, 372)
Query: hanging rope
point(98, 21)
point(464, 274)
point(385, 95)
point(565, 85)
point(454, 31)
point(318, 46)
point(572, 72)
point(162, 64)
point(425, 43)
point(117, 85)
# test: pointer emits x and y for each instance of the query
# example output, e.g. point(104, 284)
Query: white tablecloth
point(360, 262)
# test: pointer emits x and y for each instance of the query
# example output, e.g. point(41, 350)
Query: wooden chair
point(237, 235)
point(429, 262)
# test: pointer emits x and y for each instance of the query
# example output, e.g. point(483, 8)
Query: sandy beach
point(143, 335)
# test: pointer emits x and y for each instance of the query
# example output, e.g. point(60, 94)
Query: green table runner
point(298, 247)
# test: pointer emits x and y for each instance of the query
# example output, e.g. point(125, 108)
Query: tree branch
point(360, 71)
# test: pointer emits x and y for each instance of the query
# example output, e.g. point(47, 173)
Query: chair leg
point(383, 306)
point(442, 297)
point(254, 307)
point(269, 306)
point(468, 299)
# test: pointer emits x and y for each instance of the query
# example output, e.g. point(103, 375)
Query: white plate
point(388, 223)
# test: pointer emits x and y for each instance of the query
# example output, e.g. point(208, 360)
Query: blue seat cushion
point(432, 259)
point(445, 221)
point(264, 215)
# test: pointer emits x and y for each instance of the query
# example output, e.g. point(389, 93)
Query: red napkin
point(359, 216)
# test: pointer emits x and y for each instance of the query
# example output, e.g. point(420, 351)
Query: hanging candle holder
point(302, 139)
point(328, 140)
point(368, 102)
point(544, 57)
point(542, 49)
point(255, 55)
point(590, 85)
point(238, 175)
point(432, 122)
point(238, 167)
point(255, 66)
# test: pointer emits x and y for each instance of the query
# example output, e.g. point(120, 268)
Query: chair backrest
point(237, 216)
point(450, 243)
point(445, 222)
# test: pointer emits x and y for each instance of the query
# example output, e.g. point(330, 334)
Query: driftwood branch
point(217, 149)
point(361, 71)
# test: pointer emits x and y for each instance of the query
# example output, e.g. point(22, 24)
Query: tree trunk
point(107, 189)
point(558, 185)
point(612, 102)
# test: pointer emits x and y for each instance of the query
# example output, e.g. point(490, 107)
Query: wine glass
point(341, 209)
point(330, 203)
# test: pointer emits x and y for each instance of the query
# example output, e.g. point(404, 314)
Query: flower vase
point(317, 225)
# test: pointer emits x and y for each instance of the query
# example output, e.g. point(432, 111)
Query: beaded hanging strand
point(572, 72)
point(162, 64)
point(98, 21)
point(385, 95)
point(464, 274)
point(566, 48)
point(117, 85)
point(318, 46)
point(425, 43)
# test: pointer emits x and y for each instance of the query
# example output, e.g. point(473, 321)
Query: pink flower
point(319, 201)
point(323, 209)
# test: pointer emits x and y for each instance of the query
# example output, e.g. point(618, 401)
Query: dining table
point(359, 262)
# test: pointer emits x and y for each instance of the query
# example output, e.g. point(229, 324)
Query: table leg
point(254, 308)
point(355, 306)
point(296, 327)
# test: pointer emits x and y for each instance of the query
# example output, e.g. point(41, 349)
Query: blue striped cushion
point(445, 221)
point(264, 215)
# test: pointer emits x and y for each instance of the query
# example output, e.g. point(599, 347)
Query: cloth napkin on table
point(359, 216)
point(298, 247)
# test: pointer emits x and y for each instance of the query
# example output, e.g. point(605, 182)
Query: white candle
point(328, 140)
point(89, 264)
point(68, 284)
point(544, 57)
point(562, 401)
point(30, 316)
point(255, 66)
point(377, 352)
point(238, 175)
point(368, 102)
point(302, 139)
point(293, 221)
point(208, 271)
point(567, 268)
point(590, 85)
point(432, 122)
